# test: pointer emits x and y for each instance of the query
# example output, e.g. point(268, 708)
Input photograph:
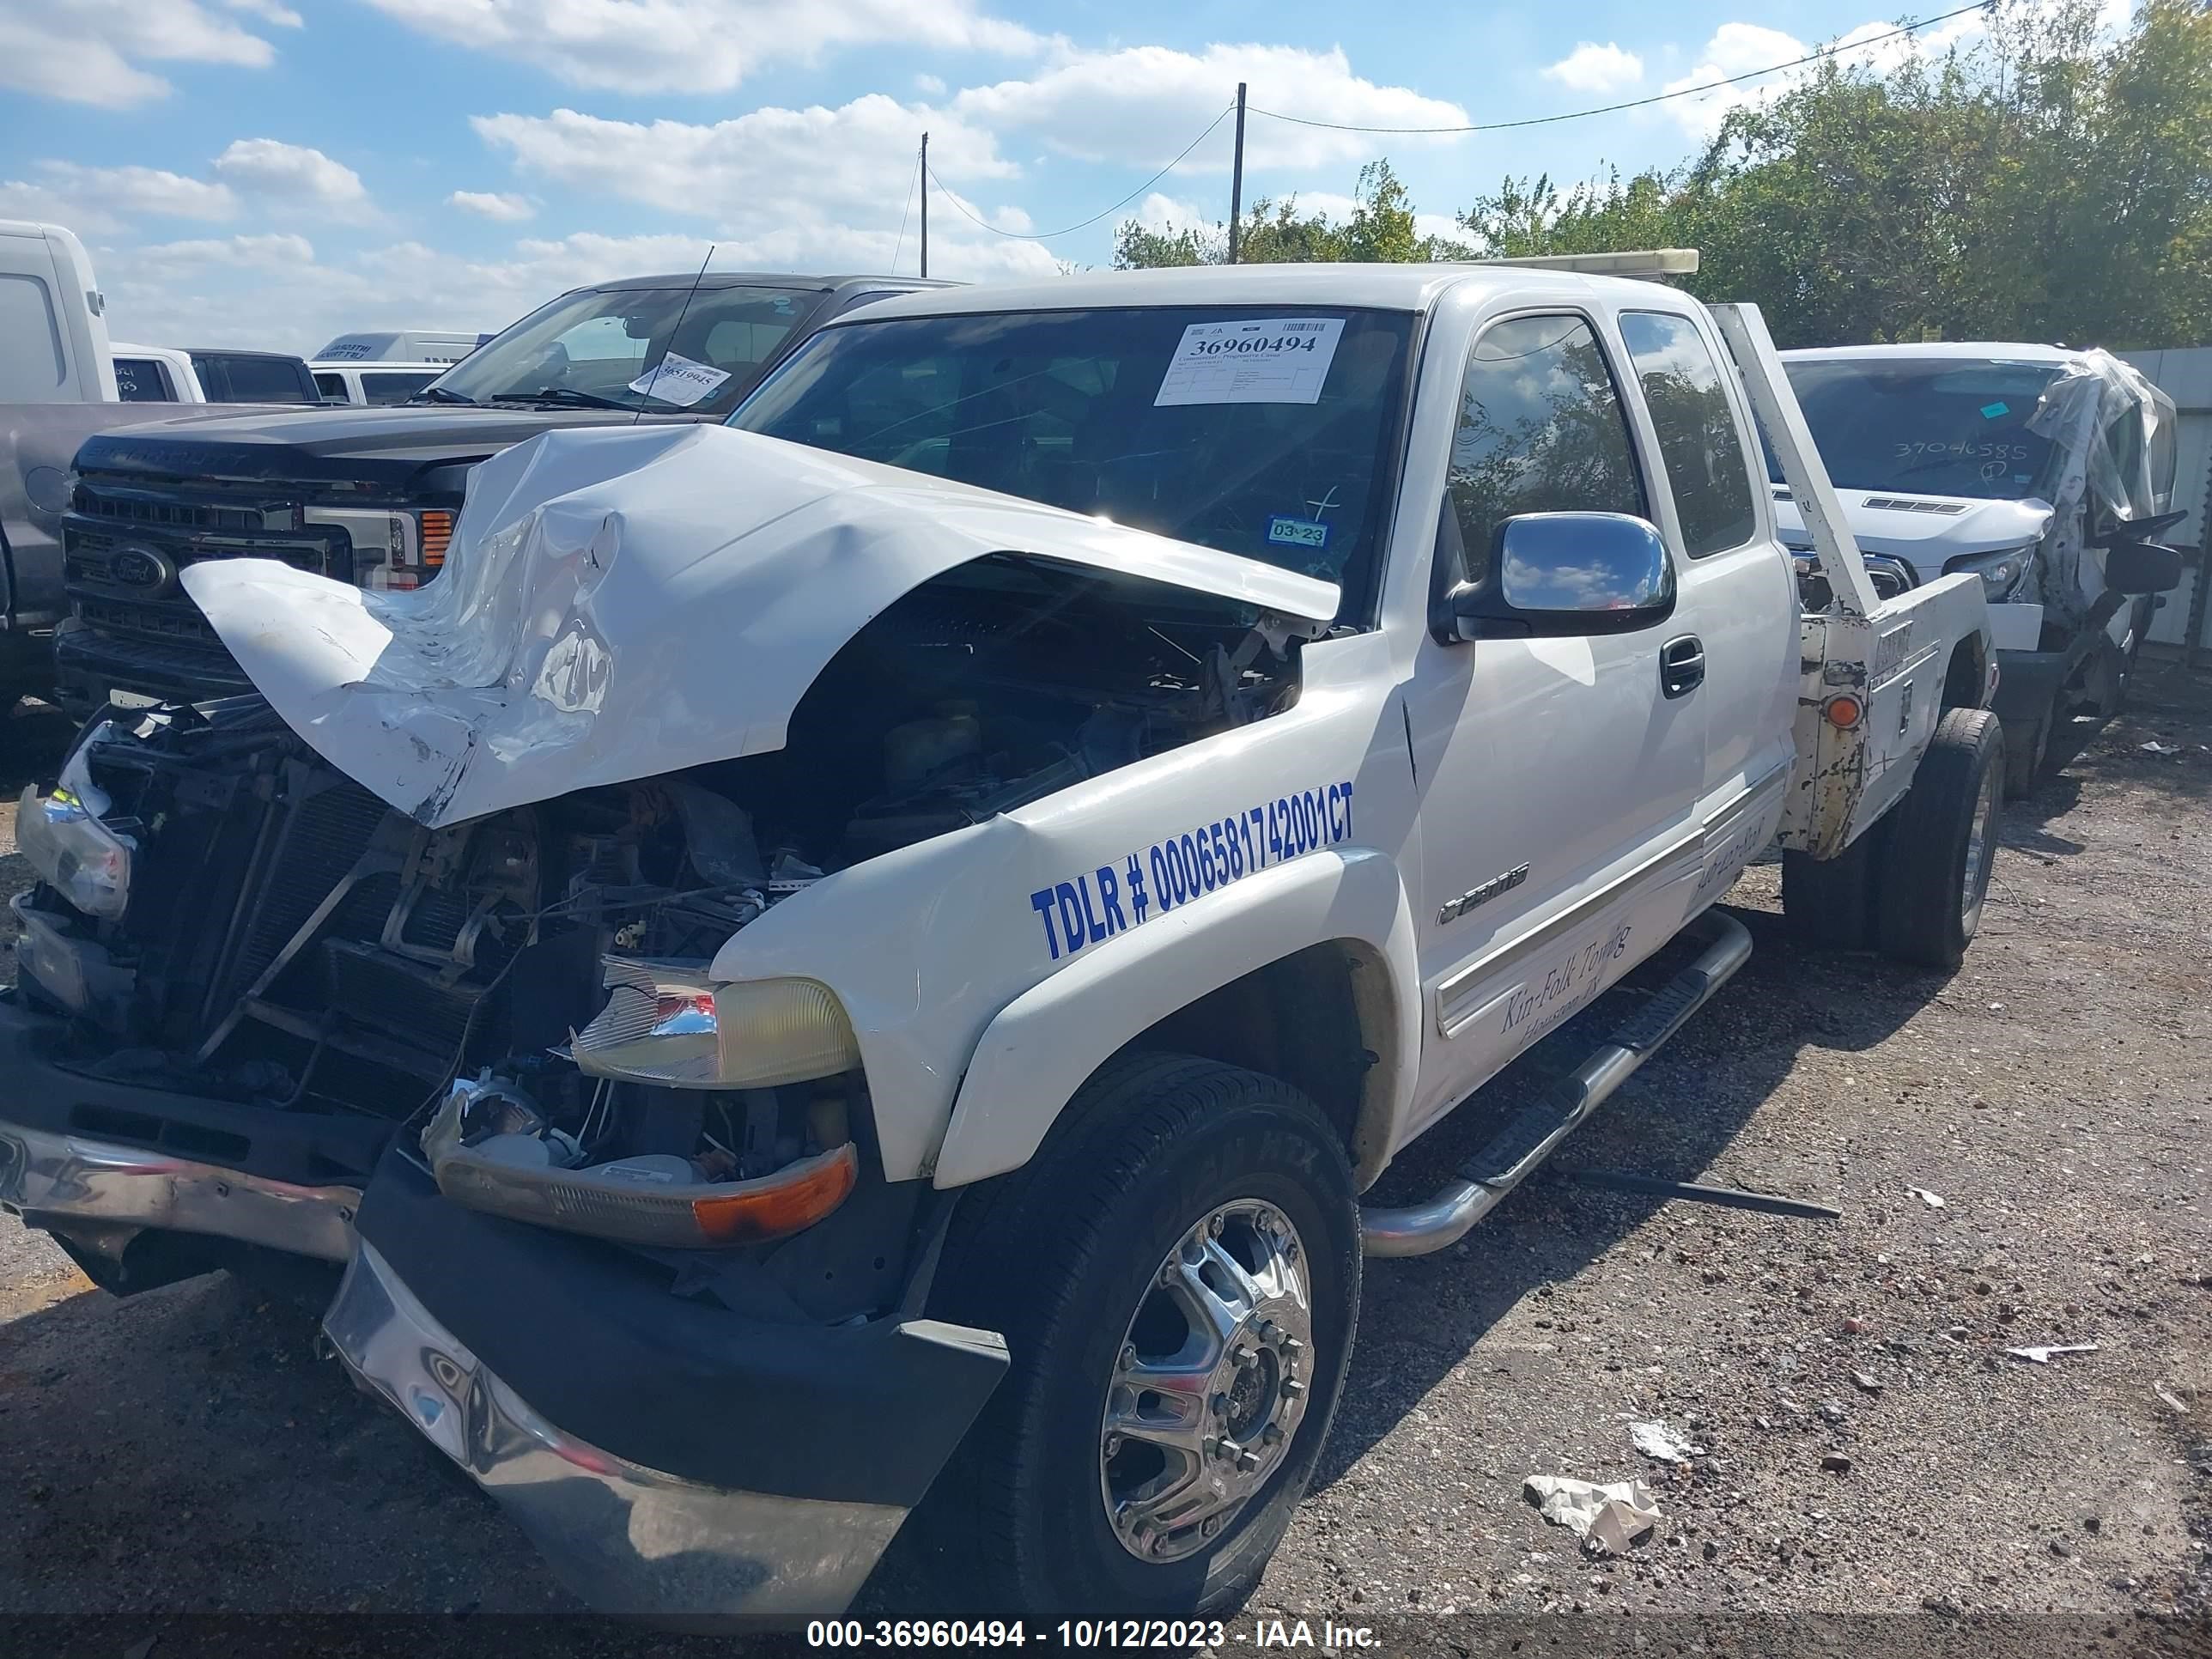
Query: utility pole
point(925, 205)
point(1236, 176)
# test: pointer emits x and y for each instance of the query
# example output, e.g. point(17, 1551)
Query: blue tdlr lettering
point(1109, 899)
point(1070, 914)
point(1042, 903)
point(1092, 925)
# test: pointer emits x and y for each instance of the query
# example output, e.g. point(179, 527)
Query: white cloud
point(929, 85)
point(1138, 105)
point(269, 12)
point(1736, 49)
point(277, 251)
point(694, 45)
point(1171, 215)
point(1440, 225)
point(769, 169)
point(96, 200)
point(505, 207)
point(90, 51)
point(1592, 68)
point(275, 293)
point(1742, 48)
point(292, 173)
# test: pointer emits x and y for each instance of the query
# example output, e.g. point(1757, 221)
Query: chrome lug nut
point(1246, 1460)
point(1271, 1435)
point(1291, 1346)
point(1292, 1387)
point(1245, 1356)
point(1212, 1526)
point(1219, 1404)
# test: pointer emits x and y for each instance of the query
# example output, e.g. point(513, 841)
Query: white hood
point(1924, 530)
point(621, 602)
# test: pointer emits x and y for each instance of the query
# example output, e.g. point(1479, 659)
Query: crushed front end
point(260, 1009)
point(618, 1236)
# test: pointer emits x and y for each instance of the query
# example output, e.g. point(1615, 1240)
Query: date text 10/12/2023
point(1177, 1635)
point(1092, 907)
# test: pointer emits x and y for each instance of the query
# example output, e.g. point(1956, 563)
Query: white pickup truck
point(873, 951)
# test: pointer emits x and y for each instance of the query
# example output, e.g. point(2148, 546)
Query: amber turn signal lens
point(785, 1203)
point(1843, 712)
point(437, 536)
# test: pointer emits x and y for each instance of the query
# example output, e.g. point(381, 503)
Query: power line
point(1656, 98)
point(903, 212)
point(1043, 235)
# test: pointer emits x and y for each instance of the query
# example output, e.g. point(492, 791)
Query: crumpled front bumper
point(627, 1538)
point(92, 1187)
point(670, 1456)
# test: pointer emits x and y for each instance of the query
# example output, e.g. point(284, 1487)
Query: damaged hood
point(1926, 531)
point(621, 604)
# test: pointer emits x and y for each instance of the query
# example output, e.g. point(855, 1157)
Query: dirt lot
point(186, 1451)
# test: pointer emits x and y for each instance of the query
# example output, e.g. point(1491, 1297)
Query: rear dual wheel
point(1914, 885)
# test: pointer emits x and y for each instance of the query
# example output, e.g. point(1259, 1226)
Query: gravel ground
point(185, 1450)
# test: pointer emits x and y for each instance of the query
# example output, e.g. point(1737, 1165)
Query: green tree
point(1380, 230)
point(2039, 185)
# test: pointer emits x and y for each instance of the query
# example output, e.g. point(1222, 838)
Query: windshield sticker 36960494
point(1090, 908)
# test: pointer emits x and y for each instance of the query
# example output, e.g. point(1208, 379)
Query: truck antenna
point(684, 310)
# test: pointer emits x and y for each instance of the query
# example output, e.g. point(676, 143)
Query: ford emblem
point(141, 567)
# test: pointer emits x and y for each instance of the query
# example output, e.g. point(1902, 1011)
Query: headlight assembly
point(667, 1022)
point(2002, 572)
point(63, 837)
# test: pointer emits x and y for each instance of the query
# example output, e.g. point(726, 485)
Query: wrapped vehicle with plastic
point(2047, 471)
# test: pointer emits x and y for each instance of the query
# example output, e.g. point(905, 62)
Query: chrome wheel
point(1211, 1383)
point(1981, 853)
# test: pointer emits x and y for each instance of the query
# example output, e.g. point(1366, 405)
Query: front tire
point(1942, 845)
point(1172, 1189)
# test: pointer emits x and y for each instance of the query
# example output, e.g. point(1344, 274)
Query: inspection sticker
point(1299, 532)
point(1991, 411)
point(1257, 360)
point(1091, 908)
point(678, 380)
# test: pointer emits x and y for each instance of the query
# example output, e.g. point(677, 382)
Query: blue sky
point(274, 172)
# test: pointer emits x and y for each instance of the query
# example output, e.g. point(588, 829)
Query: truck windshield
point(1934, 426)
point(1269, 432)
point(624, 349)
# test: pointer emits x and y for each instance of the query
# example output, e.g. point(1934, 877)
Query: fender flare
point(1042, 1046)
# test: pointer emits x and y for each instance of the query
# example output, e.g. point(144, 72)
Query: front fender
point(1041, 1047)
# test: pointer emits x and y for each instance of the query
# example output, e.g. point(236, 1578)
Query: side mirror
point(1567, 573)
point(2136, 567)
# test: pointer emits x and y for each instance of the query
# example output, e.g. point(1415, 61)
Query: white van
point(406, 345)
point(374, 382)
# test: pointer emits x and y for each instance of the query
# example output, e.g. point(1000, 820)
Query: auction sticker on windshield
point(678, 380)
point(1253, 360)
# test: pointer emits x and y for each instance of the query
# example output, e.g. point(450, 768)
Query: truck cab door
point(1739, 594)
point(1558, 776)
